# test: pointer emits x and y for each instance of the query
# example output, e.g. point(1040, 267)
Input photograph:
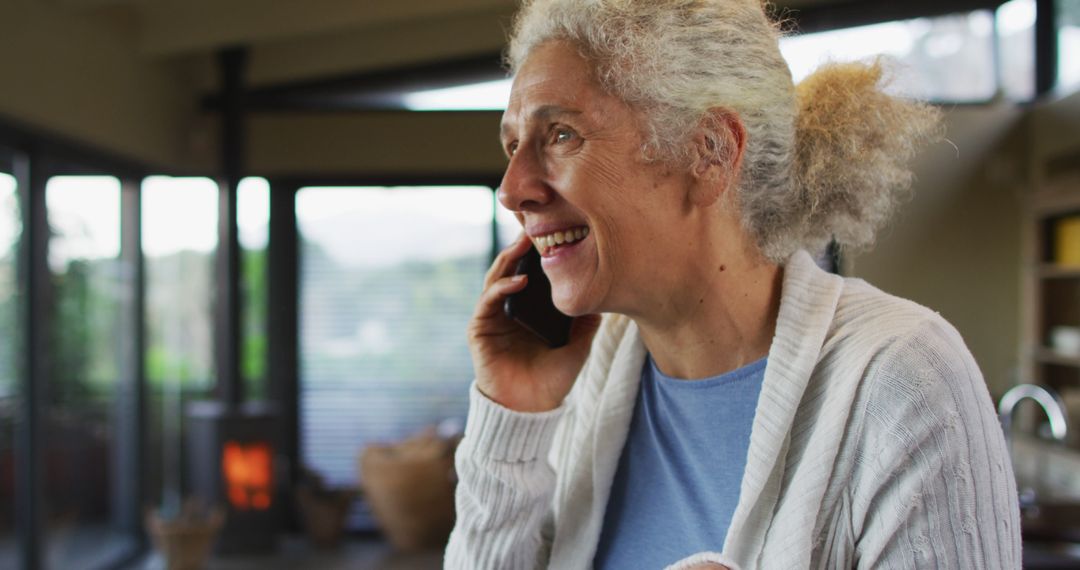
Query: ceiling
point(318, 46)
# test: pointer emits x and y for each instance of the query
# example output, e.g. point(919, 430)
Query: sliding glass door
point(179, 242)
point(10, 344)
point(388, 279)
point(80, 415)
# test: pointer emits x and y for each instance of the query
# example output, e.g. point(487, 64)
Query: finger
point(492, 299)
point(506, 261)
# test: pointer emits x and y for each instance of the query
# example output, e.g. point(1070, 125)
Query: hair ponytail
point(853, 148)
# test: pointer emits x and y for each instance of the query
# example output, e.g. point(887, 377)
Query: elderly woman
point(736, 405)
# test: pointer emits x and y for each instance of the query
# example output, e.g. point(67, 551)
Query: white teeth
point(560, 238)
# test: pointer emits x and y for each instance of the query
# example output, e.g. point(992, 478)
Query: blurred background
point(286, 210)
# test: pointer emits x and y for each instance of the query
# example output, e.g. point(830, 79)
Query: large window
point(1016, 49)
point(949, 58)
point(179, 239)
point(253, 221)
point(10, 232)
point(1068, 44)
point(80, 416)
point(389, 277)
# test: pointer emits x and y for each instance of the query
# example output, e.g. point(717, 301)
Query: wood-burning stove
point(231, 462)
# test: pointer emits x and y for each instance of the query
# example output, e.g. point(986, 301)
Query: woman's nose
point(523, 185)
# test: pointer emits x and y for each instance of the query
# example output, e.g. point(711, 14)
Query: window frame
point(283, 294)
point(35, 157)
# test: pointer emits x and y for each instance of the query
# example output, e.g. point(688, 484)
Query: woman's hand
point(514, 367)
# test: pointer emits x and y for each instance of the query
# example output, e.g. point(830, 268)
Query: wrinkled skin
point(575, 160)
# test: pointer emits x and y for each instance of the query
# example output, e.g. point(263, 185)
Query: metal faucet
point(1050, 401)
point(1054, 407)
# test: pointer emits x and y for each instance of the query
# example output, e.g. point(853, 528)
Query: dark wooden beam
point(381, 89)
point(389, 179)
point(70, 156)
point(1046, 47)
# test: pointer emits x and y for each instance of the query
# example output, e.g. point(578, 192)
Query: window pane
point(80, 415)
point(10, 232)
point(1016, 46)
point(508, 227)
point(389, 278)
point(484, 96)
point(1068, 44)
point(253, 219)
point(948, 58)
point(179, 241)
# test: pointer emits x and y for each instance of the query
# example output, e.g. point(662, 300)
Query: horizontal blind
point(389, 278)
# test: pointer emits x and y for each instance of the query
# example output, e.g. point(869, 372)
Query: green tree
point(84, 321)
point(254, 292)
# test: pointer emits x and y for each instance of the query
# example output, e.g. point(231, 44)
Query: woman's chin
point(571, 303)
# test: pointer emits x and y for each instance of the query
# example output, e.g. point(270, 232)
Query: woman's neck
point(724, 317)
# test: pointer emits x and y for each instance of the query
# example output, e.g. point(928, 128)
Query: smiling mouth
point(546, 244)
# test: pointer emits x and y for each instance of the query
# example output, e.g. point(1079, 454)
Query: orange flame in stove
point(248, 475)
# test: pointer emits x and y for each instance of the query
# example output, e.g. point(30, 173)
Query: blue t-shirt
point(681, 468)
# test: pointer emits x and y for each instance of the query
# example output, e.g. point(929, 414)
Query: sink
point(1051, 535)
point(1048, 480)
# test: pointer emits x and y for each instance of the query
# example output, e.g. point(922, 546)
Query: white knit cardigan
point(874, 445)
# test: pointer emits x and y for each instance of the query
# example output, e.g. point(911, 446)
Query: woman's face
point(605, 220)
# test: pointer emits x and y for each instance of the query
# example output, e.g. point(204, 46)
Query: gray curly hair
point(825, 161)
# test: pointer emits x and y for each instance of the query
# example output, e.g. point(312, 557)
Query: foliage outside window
point(80, 416)
point(389, 278)
point(253, 220)
point(179, 239)
point(10, 234)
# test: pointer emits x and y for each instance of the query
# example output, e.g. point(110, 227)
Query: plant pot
point(185, 541)
point(324, 514)
point(410, 488)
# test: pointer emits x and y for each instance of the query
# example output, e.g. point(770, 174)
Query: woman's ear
point(718, 147)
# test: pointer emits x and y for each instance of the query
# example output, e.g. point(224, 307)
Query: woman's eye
point(511, 148)
point(563, 135)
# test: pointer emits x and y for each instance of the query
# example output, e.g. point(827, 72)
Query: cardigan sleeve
point(933, 485)
point(505, 488)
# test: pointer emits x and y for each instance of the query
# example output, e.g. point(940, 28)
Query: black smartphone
point(533, 308)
